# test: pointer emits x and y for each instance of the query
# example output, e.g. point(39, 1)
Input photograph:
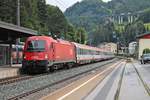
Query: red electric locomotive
point(43, 53)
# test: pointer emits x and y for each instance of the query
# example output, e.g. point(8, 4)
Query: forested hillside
point(123, 6)
point(87, 16)
point(92, 15)
point(37, 15)
point(87, 13)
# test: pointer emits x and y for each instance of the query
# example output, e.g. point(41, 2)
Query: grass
point(147, 26)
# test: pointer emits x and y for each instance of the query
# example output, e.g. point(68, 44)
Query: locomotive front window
point(36, 45)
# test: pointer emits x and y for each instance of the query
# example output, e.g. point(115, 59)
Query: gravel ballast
point(14, 89)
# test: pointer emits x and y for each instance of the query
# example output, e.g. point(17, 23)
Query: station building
point(9, 33)
point(112, 47)
point(143, 43)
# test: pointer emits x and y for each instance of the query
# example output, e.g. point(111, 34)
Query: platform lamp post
point(18, 23)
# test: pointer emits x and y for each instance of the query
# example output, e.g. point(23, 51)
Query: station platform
point(128, 83)
point(6, 71)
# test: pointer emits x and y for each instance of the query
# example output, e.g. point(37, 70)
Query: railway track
point(50, 85)
point(14, 79)
point(10, 80)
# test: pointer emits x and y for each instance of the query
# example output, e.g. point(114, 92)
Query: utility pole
point(18, 12)
point(18, 23)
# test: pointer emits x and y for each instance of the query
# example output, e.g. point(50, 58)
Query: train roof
point(63, 42)
point(86, 47)
point(40, 37)
point(48, 37)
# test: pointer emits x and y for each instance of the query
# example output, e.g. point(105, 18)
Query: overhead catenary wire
point(63, 2)
point(60, 3)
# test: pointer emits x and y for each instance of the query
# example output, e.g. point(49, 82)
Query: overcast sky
point(64, 4)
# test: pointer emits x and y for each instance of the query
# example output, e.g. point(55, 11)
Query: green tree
point(36, 15)
point(81, 35)
point(57, 23)
point(132, 30)
point(146, 50)
point(103, 33)
point(8, 11)
point(145, 16)
point(42, 15)
point(29, 15)
point(70, 34)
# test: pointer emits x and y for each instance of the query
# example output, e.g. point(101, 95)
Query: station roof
point(10, 32)
point(144, 35)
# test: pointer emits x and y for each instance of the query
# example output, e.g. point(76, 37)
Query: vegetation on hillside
point(125, 6)
point(37, 15)
point(87, 16)
point(93, 16)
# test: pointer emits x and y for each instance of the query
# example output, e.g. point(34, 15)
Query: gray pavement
point(6, 71)
point(132, 87)
point(144, 70)
point(107, 88)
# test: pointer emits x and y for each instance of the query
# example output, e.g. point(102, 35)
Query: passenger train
point(43, 53)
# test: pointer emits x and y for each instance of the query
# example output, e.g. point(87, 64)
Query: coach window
point(81, 51)
point(89, 52)
point(84, 51)
point(94, 52)
point(97, 52)
point(78, 51)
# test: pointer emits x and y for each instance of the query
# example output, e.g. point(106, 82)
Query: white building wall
point(111, 47)
point(143, 44)
point(132, 47)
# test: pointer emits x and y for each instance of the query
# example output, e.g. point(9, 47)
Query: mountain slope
point(119, 6)
point(87, 13)
point(90, 13)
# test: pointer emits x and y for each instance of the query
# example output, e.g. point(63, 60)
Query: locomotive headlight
point(46, 56)
point(24, 57)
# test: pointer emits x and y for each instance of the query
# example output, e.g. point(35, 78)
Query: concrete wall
point(143, 43)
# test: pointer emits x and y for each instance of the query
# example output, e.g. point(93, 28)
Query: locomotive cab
point(37, 54)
